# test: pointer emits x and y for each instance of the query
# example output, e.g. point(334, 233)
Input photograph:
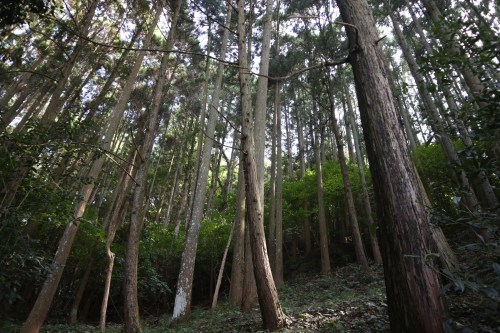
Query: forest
point(247, 166)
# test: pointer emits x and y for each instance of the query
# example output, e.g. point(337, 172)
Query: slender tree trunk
point(238, 266)
point(132, 320)
point(355, 233)
point(16, 87)
point(73, 319)
point(481, 183)
point(471, 79)
point(469, 199)
point(271, 236)
point(278, 270)
point(201, 127)
point(377, 257)
point(185, 280)
point(221, 270)
point(302, 158)
point(112, 221)
point(326, 269)
point(10, 189)
point(41, 308)
point(289, 169)
point(412, 284)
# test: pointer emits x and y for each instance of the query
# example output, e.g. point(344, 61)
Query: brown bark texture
point(412, 284)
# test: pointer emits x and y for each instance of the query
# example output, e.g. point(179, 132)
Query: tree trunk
point(261, 98)
point(185, 280)
point(14, 182)
point(377, 257)
point(302, 159)
point(221, 270)
point(201, 127)
point(272, 315)
point(42, 305)
point(112, 220)
point(132, 320)
point(469, 198)
point(289, 169)
point(278, 270)
point(326, 269)
point(238, 267)
point(355, 233)
point(481, 183)
point(73, 318)
point(412, 284)
point(271, 236)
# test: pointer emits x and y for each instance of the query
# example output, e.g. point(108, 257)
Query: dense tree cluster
point(154, 153)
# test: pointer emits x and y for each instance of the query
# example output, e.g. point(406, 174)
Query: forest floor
point(352, 300)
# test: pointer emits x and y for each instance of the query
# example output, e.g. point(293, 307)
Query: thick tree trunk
point(249, 297)
point(412, 284)
point(270, 307)
point(261, 96)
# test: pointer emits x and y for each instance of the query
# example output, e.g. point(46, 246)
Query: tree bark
point(131, 308)
point(261, 98)
point(326, 269)
point(238, 267)
point(412, 284)
point(185, 280)
point(272, 315)
point(278, 260)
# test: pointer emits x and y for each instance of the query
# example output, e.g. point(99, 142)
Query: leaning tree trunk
point(185, 282)
point(272, 315)
point(111, 223)
point(132, 319)
point(470, 199)
point(42, 305)
point(412, 284)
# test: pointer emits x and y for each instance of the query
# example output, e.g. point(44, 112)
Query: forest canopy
point(161, 157)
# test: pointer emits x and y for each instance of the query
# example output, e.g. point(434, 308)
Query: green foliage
point(17, 11)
